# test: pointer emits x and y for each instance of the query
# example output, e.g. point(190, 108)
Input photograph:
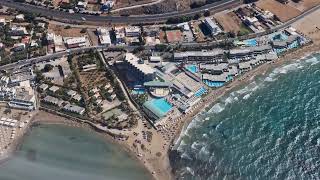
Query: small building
point(53, 101)
point(24, 98)
point(82, 5)
point(212, 26)
point(104, 36)
point(71, 93)
point(74, 109)
point(18, 31)
point(2, 21)
point(107, 6)
point(132, 31)
point(120, 34)
point(43, 87)
point(54, 89)
point(77, 97)
point(19, 17)
point(155, 59)
point(18, 47)
point(74, 42)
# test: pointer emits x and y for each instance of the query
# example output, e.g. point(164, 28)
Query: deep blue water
point(269, 129)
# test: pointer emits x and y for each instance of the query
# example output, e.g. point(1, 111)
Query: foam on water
point(275, 136)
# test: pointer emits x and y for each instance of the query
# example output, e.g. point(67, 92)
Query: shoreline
point(43, 117)
point(241, 80)
point(47, 118)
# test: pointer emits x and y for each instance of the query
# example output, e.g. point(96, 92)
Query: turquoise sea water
point(269, 129)
point(55, 152)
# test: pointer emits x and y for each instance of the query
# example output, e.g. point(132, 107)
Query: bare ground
point(283, 11)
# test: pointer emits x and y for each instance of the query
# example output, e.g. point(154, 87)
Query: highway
point(85, 49)
point(60, 15)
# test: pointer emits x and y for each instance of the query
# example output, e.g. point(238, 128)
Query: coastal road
point(35, 60)
point(60, 15)
point(79, 50)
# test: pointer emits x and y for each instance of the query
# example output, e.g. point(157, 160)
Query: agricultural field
point(283, 11)
point(229, 21)
point(305, 4)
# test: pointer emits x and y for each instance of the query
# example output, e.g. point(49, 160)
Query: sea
point(268, 129)
point(57, 152)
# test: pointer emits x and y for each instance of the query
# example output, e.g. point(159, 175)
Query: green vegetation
point(243, 30)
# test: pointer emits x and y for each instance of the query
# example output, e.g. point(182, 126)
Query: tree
point(197, 16)
point(84, 30)
point(48, 67)
point(207, 13)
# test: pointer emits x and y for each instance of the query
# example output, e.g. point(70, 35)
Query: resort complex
point(138, 79)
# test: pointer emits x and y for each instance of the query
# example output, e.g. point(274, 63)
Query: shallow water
point(269, 129)
point(56, 152)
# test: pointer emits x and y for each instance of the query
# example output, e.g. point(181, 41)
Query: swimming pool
point(192, 68)
point(279, 37)
point(200, 92)
point(138, 91)
point(213, 84)
point(293, 45)
point(160, 107)
point(251, 42)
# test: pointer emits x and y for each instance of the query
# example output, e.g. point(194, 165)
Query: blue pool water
point(138, 91)
point(229, 78)
point(192, 68)
point(295, 44)
point(268, 129)
point(162, 105)
point(251, 42)
point(280, 37)
point(200, 92)
point(159, 107)
point(213, 84)
point(279, 51)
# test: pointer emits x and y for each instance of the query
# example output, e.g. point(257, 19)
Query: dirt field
point(229, 21)
point(284, 12)
point(60, 30)
point(125, 3)
point(310, 26)
point(305, 4)
point(92, 78)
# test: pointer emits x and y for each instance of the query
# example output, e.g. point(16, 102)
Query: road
point(79, 50)
point(60, 15)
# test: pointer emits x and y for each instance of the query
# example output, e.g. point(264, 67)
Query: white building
point(212, 26)
point(74, 109)
point(74, 42)
point(104, 36)
point(138, 68)
point(19, 47)
point(24, 97)
point(2, 21)
point(120, 35)
point(18, 31)
point(132, 31)
point(20, 17)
